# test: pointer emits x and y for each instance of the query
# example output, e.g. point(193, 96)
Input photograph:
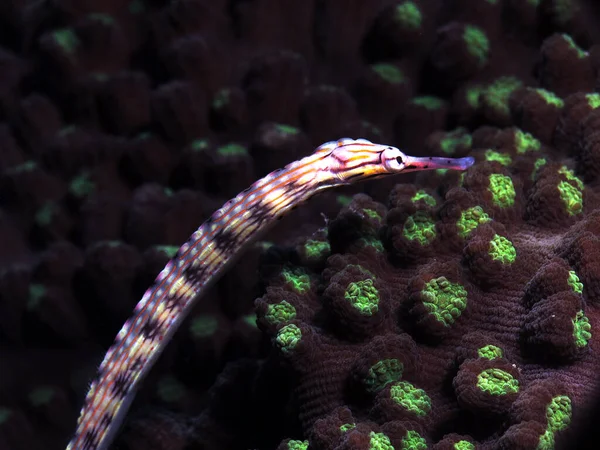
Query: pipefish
point(200, 261)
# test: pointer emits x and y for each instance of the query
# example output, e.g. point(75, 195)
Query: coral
point(452, 311)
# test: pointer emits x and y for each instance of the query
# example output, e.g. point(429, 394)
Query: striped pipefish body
point(204, 257)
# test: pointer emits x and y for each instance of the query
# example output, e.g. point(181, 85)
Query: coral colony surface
point(440, 311)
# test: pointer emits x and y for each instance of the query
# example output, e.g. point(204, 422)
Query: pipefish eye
point(399, 160)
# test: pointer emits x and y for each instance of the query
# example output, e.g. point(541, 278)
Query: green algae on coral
point(477, 42)
point(497, 382)
point(424, 196)
point(593, 100)
point(502, 190)
point(413, 441)
point(410, 398)
point(582, 329)
point(170, 389)
point(288, 337)
point(473, 96)
point(558, 416)
point(280, 312)
point(573, 281)
point(420, 227)
point(490, 352)
point(444, 300)
point(363, 296)
point(502, 158)
point(389, 73)
point(526, 142)
point(408, 15)
point(297, 445)
point(232, 150)
point(379, 441)
point(297, 279)
point(501, 249)
point(470, 219)
point(203, 326)
point(383, 373)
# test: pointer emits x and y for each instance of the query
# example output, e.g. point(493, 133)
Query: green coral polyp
point(525, 142)
point(593, 100)
point(571, 197)
point(379, 441)
point(372, 214)
point(408, 15)
point(81, 185)
point(502, 190)
point(558, 416)
point(444, 300)
point(502, 158)
point(573, 281)
point(536, 167)
point(464, 445)
point(578, 50)
point(428, 102)
point(497, 382)
point(232, 150)
point(582, 329)
point(298, 280)
point(170, 389)
point(363, 296)
point(477, 42)
point(419, 227)
point(288, 338)
point(470, 219)
point(316, 249)
point(36, 292)
point(41, 395)
point(43, 216)
point(413, 441)
point(67, 39)
point(496, 94)
point(501, 249)
point(347, 427)
point(203, 326)
point(297, 445)
point(490, 352)
point(454, 139)
point(549, 97)
point(221, 98)
point(286, 129)
point(280, 312)
point(410, 398)
point(421, 195)
point(389, 73)
point(383, 373)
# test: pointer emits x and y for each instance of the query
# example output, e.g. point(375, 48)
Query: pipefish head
point(353, 160)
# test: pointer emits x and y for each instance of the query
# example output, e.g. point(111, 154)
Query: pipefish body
point(208, 252)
